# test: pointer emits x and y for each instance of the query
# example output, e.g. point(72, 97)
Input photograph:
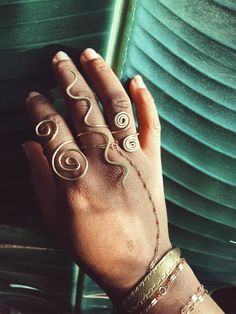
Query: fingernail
point(90, 54)
point(139, 81)
point(26, 148)
point(60, 56)
point(31, 95)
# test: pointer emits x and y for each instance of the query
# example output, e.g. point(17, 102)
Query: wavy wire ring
point(108, 144)
point(88, 100)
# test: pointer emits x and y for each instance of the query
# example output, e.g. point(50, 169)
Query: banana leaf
point(186, 51)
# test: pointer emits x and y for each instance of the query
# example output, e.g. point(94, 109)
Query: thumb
point(42, 180)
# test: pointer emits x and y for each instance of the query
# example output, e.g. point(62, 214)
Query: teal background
point(185, 51)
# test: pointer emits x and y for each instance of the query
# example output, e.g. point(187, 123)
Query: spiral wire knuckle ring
point(64, 162)
point(48, 128)
point(68, 166)
point(122, 120)
point(131, 143)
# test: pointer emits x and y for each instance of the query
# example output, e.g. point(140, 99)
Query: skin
point(109, 230)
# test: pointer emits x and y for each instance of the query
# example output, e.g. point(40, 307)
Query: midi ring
point(48, 128)
point(122, 121)
point(65, 163)
point(131, 143)
point(66, 166)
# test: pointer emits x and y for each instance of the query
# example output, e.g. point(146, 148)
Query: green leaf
point(185, 50)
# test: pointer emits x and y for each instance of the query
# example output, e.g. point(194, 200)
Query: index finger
point(65, 158)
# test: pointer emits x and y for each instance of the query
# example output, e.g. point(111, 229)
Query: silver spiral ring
point(47, 128)
point(131, 143)
point(122, 120)
point(62, 162)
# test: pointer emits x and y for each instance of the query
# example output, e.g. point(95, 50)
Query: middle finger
point(82, 104)
point(117, 104)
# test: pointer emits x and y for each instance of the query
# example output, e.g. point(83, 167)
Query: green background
point(185, 51)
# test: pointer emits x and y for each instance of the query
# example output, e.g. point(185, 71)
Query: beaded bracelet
point(163, 289)
point(198, 297)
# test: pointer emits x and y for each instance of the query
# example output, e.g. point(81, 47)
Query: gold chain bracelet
point(198, 297)
point(149, 285)
point(163, 289)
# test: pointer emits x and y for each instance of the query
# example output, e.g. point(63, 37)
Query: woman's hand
point(112, 219)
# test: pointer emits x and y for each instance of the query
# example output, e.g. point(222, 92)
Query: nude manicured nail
point(90, 54)
point(31, 95)
point(139, 81)
point(60, 56)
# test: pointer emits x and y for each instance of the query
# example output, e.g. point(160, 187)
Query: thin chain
point(103, 146)
point(115, 146)
point(155, 257)
point(163, 289)
point(198, 297)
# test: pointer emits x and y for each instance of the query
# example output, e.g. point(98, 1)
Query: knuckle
point(83, 93)
point(73, 200)
point(154, 126)
point(99, 65)
point(37, 100)
point(70, 195)
point(55, 117)
point(50, 131)
point(83, 104)
point(119, 100)
point(64, 65)
point(146, 97)
point(50, 122)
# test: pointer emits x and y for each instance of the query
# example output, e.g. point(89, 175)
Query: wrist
point(171, 287)
point(178, 293)
point(119, 284)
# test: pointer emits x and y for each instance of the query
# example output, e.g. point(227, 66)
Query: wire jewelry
point(109, 144)
point(61, 162)
point(195, 299)
point(47, 128)
point(154, 208)
point(163, 289)
point(68, 164)
point(88, 100)
point(122, 121)
point(130, 143)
